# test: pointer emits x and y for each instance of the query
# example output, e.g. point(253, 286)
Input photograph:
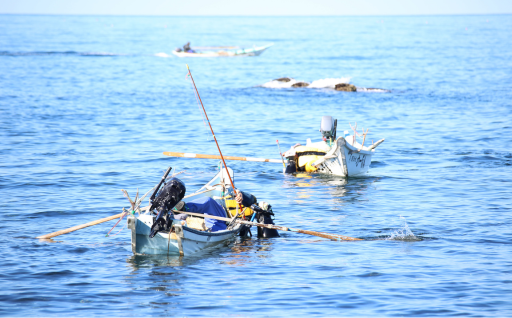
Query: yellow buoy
point(309, 167)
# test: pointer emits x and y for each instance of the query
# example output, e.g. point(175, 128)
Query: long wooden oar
point(135, 206)
point(330, 236)
point(78, 227)
point(200, 156)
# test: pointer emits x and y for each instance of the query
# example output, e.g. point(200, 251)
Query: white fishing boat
point(346, 159)
point(343, 156)
point(183, 240)
point(189, 237)
point(254, 51)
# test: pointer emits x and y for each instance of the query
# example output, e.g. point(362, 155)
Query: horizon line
point(256, 16)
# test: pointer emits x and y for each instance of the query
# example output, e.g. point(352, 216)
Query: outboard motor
point(163, 223)
point(263, 215)
point(328, 127)
point(167, 198)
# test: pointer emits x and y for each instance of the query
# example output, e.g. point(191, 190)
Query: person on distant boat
point(186, 48)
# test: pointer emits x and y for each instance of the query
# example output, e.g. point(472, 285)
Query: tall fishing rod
point(215, 138)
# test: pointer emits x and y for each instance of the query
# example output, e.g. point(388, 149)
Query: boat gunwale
point(353, 149)
point(206, 233)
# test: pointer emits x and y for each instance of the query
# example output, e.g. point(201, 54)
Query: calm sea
point(89, 103)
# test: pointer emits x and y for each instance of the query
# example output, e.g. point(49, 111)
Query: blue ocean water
point(89, 103)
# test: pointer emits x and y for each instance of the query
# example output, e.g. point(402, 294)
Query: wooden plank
point(203, 156)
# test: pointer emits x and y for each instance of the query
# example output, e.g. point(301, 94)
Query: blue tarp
point(208, 206)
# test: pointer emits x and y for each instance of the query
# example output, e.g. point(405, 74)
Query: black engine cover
point(169, 195)
point(166, 199)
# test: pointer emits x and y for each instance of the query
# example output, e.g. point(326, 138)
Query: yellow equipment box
point(233, 208)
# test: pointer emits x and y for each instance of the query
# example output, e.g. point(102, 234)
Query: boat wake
point(339, 84)
point(403, 234)
point(71, 53)
point(36, 53)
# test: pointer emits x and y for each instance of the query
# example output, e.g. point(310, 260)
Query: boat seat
point(196, 223)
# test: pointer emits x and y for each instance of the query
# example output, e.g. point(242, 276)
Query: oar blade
point(335, 237)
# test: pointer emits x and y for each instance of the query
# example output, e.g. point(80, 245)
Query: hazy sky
point(257, 7)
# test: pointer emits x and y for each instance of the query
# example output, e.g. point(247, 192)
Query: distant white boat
point(345, 159)
point(254, 51)
point(343, 156)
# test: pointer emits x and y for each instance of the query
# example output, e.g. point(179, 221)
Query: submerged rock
point(300, 84)
point(345, 87)
point(283, 79)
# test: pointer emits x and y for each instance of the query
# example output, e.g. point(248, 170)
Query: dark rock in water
point(300, 84)
point(345, 87)
point(283, 79)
